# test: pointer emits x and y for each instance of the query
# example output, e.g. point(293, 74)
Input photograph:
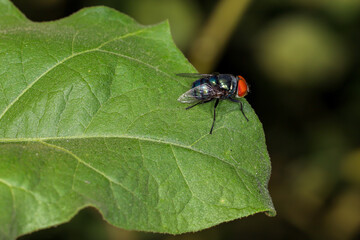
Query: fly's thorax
point(227, 82)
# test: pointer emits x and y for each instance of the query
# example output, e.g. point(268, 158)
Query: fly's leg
point(212, 126)
point(242, 110)
point(241, 106)
point(198, 104)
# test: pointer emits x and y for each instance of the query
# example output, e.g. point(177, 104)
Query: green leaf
point(89, 117)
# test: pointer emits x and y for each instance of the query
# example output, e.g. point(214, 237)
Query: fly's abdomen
point(202, 89)
point(199, 82)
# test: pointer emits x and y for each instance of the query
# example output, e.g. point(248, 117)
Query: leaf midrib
point(188, 147)
point(42, 139)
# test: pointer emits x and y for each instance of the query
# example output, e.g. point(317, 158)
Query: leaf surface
point(89, 117)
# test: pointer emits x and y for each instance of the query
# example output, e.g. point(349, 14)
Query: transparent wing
point(199, 93)
point(194, 75)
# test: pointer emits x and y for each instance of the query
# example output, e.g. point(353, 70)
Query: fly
point(214, 86)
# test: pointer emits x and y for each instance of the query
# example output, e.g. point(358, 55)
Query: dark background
point(301, 58)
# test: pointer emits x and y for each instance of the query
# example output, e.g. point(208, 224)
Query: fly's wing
point(199, 93)
point(194, 75)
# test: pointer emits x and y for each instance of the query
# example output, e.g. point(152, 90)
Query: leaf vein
point(186, 182)
point(13, 216)
point(74, 55)
point(84, 163)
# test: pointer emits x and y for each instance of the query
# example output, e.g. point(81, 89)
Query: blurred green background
point(302, 60)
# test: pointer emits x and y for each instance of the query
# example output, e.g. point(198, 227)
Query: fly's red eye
point(242, 87)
